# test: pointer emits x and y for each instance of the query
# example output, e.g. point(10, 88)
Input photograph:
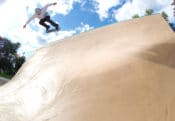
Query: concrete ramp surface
point(121, 72)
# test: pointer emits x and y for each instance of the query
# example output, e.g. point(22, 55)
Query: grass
point(5, 76)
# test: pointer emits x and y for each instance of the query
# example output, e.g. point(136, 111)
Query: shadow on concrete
point(2, 82)
point(163, 54)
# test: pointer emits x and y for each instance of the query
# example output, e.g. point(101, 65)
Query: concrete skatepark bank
point(121, 72)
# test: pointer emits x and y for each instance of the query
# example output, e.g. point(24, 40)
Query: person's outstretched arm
point(28, 21)
point(50, 4)
point(46, 6)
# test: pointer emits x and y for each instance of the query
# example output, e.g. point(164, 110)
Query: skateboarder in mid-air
point(42, 14)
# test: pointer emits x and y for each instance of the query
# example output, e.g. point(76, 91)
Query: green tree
point(149, 12)
point(10, 61)
point(135, 16)
point(165, 16)
point(19, 60)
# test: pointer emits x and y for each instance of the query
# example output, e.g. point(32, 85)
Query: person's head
point(37, 10)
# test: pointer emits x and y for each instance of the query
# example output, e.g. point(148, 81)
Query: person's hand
point(54, 3)
point(24, 26)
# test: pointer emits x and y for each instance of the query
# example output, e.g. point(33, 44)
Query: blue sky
point(74, 17)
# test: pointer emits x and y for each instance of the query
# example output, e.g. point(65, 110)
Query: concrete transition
point(121, 72)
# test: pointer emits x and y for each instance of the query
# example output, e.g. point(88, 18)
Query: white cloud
point(2, 1)
point(40, 40)
point(14, 15)
point(102, 7)
point(84, 28)
point(139, 7)
point(63, 6)
point(169, 10)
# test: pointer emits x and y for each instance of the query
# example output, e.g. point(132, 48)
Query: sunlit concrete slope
point(121, 72)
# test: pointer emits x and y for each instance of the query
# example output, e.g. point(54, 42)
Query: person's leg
point(42, 22)
point(52, 22)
